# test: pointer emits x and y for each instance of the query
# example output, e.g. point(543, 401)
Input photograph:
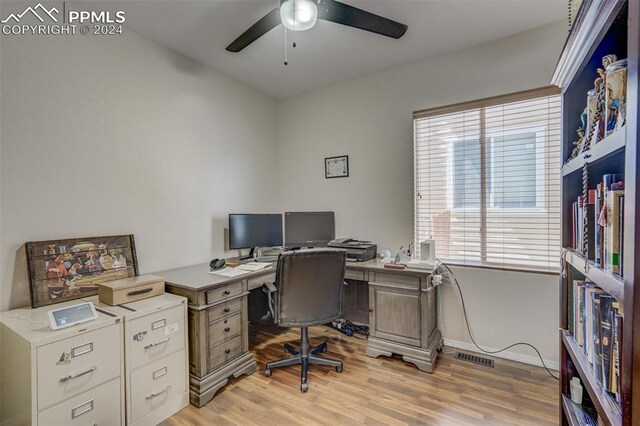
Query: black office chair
point(307, 291)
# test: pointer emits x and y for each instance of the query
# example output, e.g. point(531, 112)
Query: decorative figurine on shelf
point(608, 60)
point(577, 145)
point(616, 95)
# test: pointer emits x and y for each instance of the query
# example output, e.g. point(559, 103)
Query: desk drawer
point(224, 352)
point(224, 292)
point(259, 281)
point(91, 358)
point(156, 335)
point(406, 280)
point(224, 309)
point(98, 406)
point(354, 275)
point(225, 328)
point(155, 384)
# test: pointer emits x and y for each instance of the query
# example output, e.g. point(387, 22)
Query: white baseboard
point(527, 359)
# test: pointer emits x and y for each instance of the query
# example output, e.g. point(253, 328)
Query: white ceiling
point(328, 53)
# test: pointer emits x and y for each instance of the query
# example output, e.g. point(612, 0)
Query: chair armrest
point(270, 289)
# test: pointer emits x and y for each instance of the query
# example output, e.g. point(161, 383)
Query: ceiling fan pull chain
point(286, 47)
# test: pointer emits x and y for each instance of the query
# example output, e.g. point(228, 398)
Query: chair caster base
point(304, 387)
point(267, 372)
point(339, 369)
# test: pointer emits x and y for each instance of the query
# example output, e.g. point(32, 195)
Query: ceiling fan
point(301, 15)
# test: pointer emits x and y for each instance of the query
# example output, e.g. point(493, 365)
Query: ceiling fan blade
point(257, 30)
point(340, 13)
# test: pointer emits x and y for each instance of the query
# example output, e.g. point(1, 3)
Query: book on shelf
point(598, 248)
point(606, 346)
point(597, 328)
point(604, 211)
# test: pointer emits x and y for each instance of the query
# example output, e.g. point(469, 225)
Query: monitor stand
point(249, 256)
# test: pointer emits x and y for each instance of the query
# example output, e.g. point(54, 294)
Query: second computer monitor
point(309, 229)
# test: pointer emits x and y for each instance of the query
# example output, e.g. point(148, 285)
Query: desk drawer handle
point(227, 292)
point(227, 329)
point(139, 292)
point(227, 351)
point(77, 412)
point(75, 376)
point(151, 345)
point(226, 310)
point(158, 324)
point(88, 347)
point(155, 394)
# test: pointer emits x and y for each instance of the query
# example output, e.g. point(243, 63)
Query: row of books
point(597, 328)
point(605, 224)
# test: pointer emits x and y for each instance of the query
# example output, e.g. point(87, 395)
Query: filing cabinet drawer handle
point(155, 394)
point(227, 329)
point(158, 324)
point(227, 351)
point(151, 345)
point(88, 347)
point(226, 310)
point(160, 372)
point(139, 292)
point(227, 292)
point(81, 409)
point(75, 376)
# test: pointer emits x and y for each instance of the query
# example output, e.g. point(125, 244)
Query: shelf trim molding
point(609, 282)
point(593, 17)
point(603, 149)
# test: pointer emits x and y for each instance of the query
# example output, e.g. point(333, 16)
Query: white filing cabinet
point(71, 376)
point(155, 346)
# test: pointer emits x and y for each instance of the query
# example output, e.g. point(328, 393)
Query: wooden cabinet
point(402, 317)
point(69, 376)
point(218, 326)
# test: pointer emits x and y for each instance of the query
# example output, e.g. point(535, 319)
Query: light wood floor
point(377, 391)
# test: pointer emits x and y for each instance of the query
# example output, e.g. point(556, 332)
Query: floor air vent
point(487, 362)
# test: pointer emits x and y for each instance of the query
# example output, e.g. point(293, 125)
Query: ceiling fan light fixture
point(298, 15)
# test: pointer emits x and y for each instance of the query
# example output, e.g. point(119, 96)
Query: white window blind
point(487, 181)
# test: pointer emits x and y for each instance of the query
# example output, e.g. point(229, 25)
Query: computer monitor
point(254, 230)
point(309, 229)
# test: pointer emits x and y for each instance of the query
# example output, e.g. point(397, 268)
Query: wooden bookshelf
point(601, 27)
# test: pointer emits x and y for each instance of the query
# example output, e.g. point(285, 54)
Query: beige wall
point(105, 135)
point(108, 135)
point(370, 119)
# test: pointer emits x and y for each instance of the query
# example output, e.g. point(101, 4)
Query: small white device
point(576, 390)
point(428, 251)
point(72, 315)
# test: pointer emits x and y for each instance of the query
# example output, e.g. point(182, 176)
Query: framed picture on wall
point(61, 270)
point(336, 167)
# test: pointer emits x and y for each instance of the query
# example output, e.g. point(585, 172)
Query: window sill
point(522, 269)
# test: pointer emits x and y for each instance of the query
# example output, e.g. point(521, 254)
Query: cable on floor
point(466, 320)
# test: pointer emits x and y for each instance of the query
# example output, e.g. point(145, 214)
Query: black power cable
point(466, 320)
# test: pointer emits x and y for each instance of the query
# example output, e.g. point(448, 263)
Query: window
point(487, 181)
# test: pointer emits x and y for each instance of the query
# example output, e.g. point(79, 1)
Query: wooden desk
point(402, 317)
